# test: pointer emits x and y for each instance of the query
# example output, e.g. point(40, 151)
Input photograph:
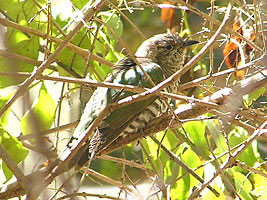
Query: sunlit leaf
point(172, 169)
point(196, 131)
point(114, 22)
point(3, 101)
point(14, 149)
point(237, 136)
point(192, 160)
point(21, 46)
point(251, 97)
point(217, 136)
point(79, 3)
point(182, 187)
point(242, 184)
point(72, 60)
point(211, 196)
point(260, 191)
point(41, 116)
point(180, 190)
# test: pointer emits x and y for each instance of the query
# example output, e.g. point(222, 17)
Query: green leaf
point(263, 196)
point(237, 136)
point(260, 185)
point(14, 148)
point(3, 101)
point(181, 189)
point(102, 70)
point(214, 130)
point(159, 157)
point(172, 169)
point(19, 44)
point(74, 61)
point(19, 10)
point(242, 184)
point(196, 131)
point(41, 116)
point(211, 196)
point(113, 56)
point(260, 191)
point(114, 22)
point(152, 148)
point(192, 160)
point(251, 97)
point(79, 3)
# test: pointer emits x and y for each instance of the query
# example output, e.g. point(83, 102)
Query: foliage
point(196, 142)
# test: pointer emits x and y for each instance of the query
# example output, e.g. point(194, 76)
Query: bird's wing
point(113, 124)
point(129, 74)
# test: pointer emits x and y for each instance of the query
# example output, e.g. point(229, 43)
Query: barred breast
point(157, 108)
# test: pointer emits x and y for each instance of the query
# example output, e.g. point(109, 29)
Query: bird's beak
point(188, 43)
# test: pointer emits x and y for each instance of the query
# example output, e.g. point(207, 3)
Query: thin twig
point(217, 22)
point(82, 52)
point(198, 81)
point(127, 19)
point(256, 171)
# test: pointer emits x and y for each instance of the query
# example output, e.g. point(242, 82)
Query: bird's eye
point(169, 47)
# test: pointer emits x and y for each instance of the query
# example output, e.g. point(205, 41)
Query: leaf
point(196, 131)
point(260, 185)
point(3, 101)
point(237, 136)
point(41, 116)
point(210, 195)
point(253, 96)
point(18, 44)
point(181, 189)
point(214, 130)
point(21, 11)
point(101, 70)
point(79, 3)
point(232, 55)
point(114, 22)
point(192, 160)
point(152, 148)
point(14, 148)
point(168, 16)
point(74, 61)
point(242, 184)
point(171, 169)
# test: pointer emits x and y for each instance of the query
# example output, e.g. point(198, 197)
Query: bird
point(160, 56)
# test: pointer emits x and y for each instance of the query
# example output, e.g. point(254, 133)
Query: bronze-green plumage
point(160, 56)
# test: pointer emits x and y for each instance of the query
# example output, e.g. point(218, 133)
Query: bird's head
point(167, 50)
